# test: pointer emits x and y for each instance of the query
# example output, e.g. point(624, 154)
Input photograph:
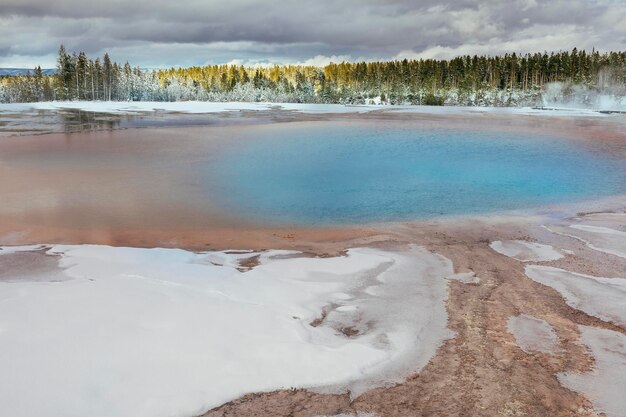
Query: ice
point(604, 385)
point(167, 332)
point(526, 251)
point(532, 334)
point(604, 298)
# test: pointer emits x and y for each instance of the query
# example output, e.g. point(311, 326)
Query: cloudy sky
point(162, 33)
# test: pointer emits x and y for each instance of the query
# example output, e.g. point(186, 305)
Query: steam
point(608, 93)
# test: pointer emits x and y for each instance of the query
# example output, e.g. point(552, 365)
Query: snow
point(328, 108)
point(167, 332)
point(532, 334)
point(125, 107)
point(526, 251)
point(604, 298)
point(465, 277)
point(122, 107)
point(6, 250)
point(602, 239)
point(526, 111)
point(604, 385)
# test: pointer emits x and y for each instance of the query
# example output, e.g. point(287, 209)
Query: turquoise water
point(346, 174)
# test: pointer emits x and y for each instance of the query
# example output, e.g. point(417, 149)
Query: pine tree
point(107, 74)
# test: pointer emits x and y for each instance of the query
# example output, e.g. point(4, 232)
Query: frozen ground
point(603, 239)
point(604, 298)
point(216, 107)
point(532, 334)
point(526, 251)
point(166, 332)
point(604, 385)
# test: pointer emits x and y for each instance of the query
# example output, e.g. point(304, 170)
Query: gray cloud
point(164, 33)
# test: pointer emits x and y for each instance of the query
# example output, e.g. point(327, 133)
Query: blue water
point(328, 174)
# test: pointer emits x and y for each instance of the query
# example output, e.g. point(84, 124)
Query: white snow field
point(532, 334)
point(604, 298)
point(526, 251)
point(604, 385)
point(167, 332)
point(603, 239)
point(124, 107)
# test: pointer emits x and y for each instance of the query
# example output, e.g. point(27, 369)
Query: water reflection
point(36, 121)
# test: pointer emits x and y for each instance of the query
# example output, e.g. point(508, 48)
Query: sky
point(165, 33)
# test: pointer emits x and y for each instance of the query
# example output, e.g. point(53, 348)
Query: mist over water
point(334, 174)
point(608, 96)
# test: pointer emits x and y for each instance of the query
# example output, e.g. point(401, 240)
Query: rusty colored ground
point(481, 371)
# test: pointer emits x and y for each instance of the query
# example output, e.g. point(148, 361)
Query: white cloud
point(322, 60)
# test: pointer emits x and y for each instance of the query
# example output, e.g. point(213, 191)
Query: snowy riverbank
point(195, 107)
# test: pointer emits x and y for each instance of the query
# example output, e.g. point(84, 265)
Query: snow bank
point(526, 251)
point(604, 385)
point(166, 332)
point(329, 108)
point(602, 239)
point(604, 298)
point(527, 111)
point(219, 107)
point(532, 334)
point(124, 107)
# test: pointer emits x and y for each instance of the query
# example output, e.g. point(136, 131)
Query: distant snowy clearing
point(166, 332)
point(118, 107)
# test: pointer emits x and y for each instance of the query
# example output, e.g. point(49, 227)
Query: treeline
point(80, 78)
point(468, 80)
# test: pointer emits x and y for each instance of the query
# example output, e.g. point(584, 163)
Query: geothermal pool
point(337, 173)
point(312, 318)
point(104, 185)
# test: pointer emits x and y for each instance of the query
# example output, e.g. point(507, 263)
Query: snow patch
point(602, 239)
point(464, 277)
point(131, 107)
point(532, 334)
point(6, 250)
point(526, 251)
point(604, 298)
point(167, 332)
point(604, 385)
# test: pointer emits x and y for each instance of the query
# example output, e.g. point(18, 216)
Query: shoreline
point(320, 240)
point(26, 118)
point(484, 368)
point(483, 349)
point(142, 219)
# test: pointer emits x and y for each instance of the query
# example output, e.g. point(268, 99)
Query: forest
point(507, 80)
